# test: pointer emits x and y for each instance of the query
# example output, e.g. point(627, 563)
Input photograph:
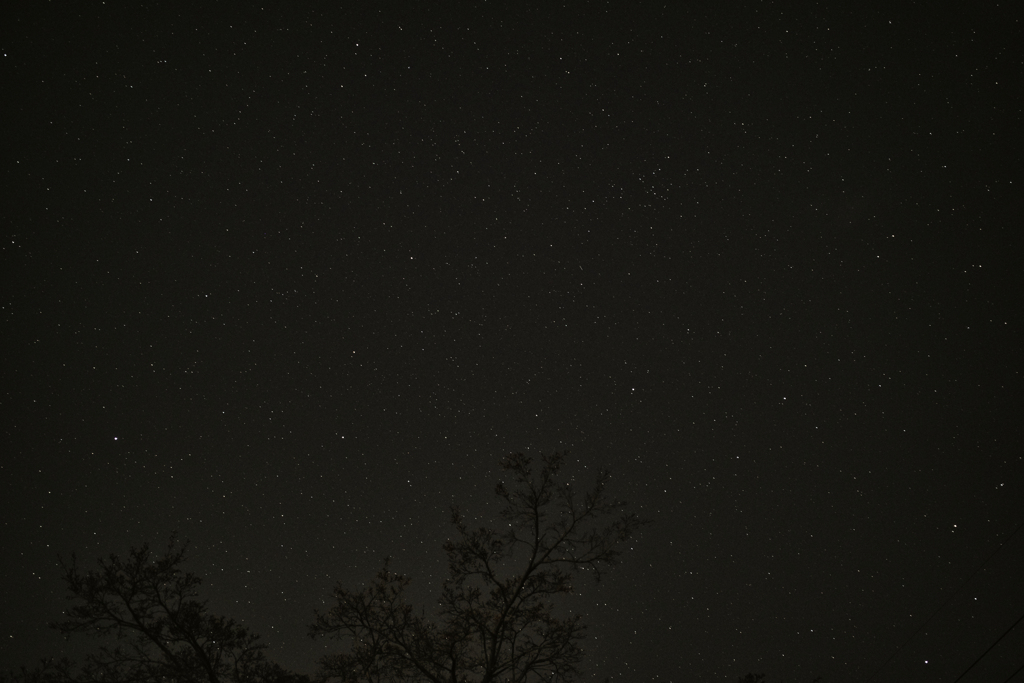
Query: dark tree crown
point(156, 628)
point(493, 623)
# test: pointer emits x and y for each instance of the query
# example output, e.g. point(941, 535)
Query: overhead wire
point(1019, 669)
point(982, 656)
point(943, 605)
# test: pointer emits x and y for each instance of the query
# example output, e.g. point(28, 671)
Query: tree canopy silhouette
point(761, 678)
point(496, 619)
point(160, 630)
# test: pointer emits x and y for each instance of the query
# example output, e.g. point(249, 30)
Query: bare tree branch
point(161, 630)
point(492, 624)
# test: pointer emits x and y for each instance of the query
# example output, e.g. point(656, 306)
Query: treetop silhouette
point(161, 631)
point(496, 618)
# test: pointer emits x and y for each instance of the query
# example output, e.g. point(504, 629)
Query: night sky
point(291, 281)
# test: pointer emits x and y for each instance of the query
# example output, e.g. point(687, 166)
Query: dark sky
point(290, 281)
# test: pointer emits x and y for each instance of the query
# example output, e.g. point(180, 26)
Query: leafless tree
point(160, 631)
point(496, 621)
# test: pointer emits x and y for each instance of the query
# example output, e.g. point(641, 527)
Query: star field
point(291, 281)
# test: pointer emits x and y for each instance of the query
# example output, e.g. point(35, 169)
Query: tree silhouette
point(161, 631)
point(760, 678)
point(496, 620)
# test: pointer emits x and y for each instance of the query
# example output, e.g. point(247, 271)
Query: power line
point(990, 649)
point(1021, 668)
point(951, 596)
